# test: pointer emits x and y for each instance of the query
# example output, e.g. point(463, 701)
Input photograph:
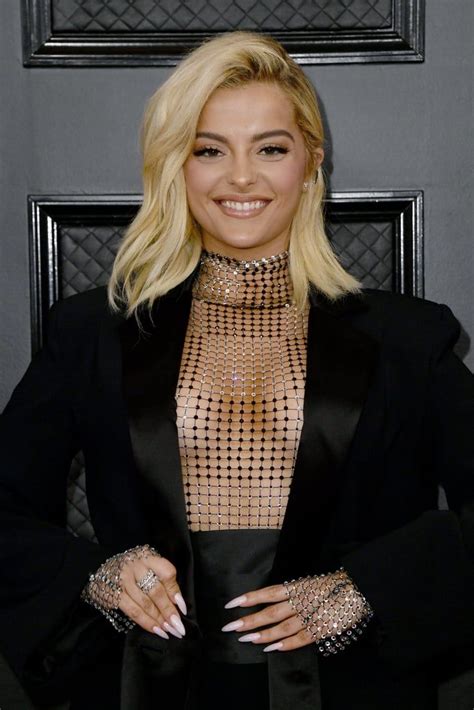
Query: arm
point(419, 579)
point(43, 566)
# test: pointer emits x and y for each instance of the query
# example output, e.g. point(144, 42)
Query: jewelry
point(334, 620)
point(148, 581)
point(104, 587)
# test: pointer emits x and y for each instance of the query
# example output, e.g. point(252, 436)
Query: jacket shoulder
point(84, 305)
point(78, 318)
point(406, 320)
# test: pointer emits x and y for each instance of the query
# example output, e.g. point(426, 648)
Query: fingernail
point(181, 603)
point(233, 625)
point(173, 631)
point(273, 646)
point(249, 637)
point(160, 632)
point(235, 602)
point(178, 624)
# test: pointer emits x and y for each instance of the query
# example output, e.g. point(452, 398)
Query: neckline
point(244, 283)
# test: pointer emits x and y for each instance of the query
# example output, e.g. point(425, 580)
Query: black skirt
point(229, 563)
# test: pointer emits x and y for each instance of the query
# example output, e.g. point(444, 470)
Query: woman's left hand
point(286, 630)
point(287, 626)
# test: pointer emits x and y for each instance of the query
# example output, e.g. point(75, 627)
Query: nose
point(242, 171)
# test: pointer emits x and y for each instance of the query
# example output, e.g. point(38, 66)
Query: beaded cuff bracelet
point(331, 609)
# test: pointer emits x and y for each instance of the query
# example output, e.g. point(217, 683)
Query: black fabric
point(364, 493)
point(233, 686)
point(228, 563)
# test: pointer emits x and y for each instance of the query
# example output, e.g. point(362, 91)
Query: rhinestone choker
point(244, 283)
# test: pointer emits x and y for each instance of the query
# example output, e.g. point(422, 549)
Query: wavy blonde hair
point(162, 245)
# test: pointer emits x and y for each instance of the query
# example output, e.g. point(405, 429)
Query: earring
point(305, 186)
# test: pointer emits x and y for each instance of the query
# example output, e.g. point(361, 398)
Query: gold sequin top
point(240, 393)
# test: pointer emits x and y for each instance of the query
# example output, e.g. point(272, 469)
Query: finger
point(273, 593)
point(157, 598)
point(270, 615)
point(137, 614)
point(288, 627)
point(166, 573)
point(130, 575)
point(302, 638)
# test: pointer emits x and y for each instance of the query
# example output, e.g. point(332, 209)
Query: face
point(244, 177)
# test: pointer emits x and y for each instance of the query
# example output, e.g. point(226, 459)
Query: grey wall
point(390, 126)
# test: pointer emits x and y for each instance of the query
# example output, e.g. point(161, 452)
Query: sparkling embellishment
point(240, 393)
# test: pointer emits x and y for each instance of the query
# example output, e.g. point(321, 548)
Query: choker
point(244, 283)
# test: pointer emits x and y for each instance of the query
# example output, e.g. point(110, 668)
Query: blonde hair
point(162, 245)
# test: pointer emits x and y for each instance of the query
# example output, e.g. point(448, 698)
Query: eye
point(274, 150)
point(206, 152)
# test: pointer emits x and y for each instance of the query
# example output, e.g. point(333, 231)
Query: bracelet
point(103, 589)
point(333, 623)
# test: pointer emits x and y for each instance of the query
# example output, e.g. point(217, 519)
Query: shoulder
point(79, 318)
point(88, 304)
point(408, 320)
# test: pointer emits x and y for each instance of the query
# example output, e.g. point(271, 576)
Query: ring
point(148, 581)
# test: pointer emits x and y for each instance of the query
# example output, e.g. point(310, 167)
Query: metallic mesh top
point(240, 393)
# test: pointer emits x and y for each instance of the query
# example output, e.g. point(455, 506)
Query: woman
point(263, 439)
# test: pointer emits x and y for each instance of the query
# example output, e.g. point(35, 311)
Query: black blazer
point(388, 415)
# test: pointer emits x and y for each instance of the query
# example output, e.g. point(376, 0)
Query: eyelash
point(201, 152)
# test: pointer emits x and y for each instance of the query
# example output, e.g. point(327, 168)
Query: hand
point(114, 586)
point(328, 593)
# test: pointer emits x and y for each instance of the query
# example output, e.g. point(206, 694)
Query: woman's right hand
point(114, 586)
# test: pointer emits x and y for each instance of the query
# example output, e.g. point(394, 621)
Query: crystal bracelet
point(104, 588)
point(333, 623)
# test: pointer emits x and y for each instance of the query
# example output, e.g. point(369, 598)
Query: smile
point(242, 209)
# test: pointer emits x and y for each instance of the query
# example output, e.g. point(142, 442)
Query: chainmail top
point(240, 393)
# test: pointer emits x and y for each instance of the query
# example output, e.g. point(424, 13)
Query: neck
point(244, 283)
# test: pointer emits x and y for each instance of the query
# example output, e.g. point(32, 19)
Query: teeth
point(243, 206)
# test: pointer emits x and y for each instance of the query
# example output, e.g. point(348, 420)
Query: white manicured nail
point(273, 646)
point(181, 603)
point(178, 624)
point(160, 632)
point(172, 631)
point(249, 637)
point(233, 625)
point(235, 602)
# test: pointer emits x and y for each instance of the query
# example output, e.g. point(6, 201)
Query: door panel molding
point(95, 33)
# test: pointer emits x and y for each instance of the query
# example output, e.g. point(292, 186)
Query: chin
point(247, 246)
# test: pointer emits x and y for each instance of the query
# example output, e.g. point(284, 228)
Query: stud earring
point(305, 186)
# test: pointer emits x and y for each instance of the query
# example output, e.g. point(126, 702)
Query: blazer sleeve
point(419, 578)
point(43, 566)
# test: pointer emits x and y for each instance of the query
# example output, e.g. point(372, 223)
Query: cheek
point(288, 182)
point(191, 180)
point(198, 180)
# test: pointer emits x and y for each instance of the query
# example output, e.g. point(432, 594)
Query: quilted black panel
point(366, 251)
point(117, 16)
point(86, 256)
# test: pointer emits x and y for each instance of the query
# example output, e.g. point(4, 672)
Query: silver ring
point(148, 581)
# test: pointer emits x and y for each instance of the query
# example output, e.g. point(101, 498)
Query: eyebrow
point(256, 137)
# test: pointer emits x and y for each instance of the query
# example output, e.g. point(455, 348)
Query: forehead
point(254, 104)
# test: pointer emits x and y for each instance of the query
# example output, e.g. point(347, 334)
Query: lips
point(239, 208)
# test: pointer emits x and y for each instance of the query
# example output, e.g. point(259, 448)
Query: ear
point(313, 164)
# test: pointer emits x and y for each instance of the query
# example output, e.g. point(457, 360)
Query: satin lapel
point(151, 365)
point(110, 471)
point(340, 362)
